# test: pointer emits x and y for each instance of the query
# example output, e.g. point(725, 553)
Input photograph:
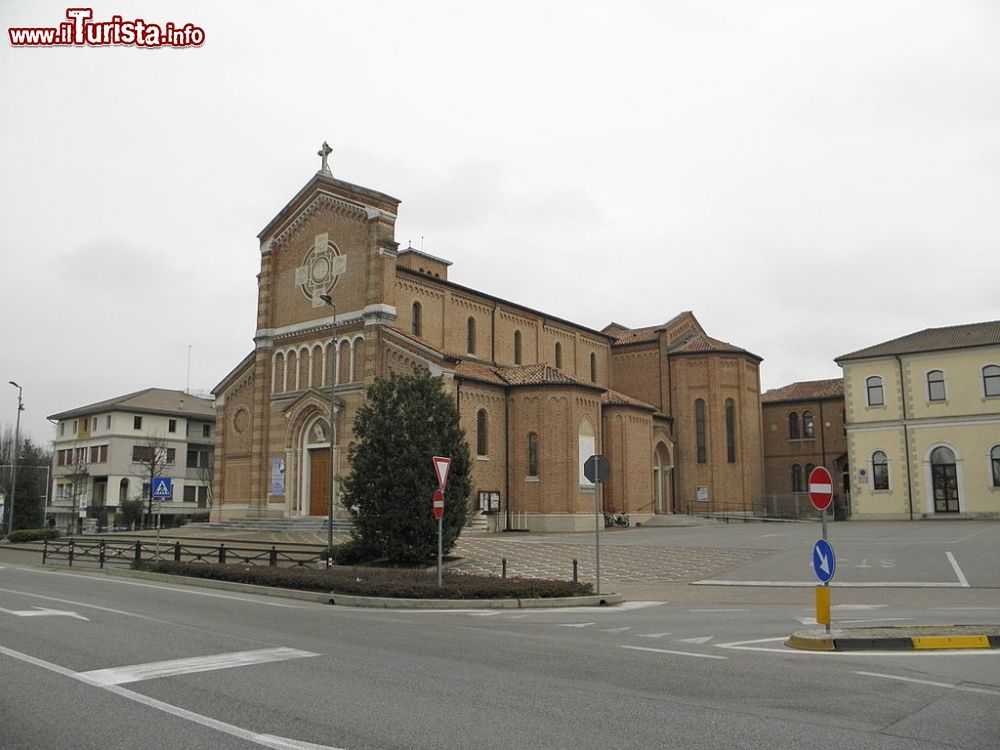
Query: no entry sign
point(820, 488)
point(438, 504)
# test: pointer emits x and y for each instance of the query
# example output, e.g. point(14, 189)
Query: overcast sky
point(809, 178)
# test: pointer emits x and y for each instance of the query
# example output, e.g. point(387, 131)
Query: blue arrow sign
point(163, 488)
point(824, 561)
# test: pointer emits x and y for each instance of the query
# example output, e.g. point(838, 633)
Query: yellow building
point(923, 424)
point(676, 412)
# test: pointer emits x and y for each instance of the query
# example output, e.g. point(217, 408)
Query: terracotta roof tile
point(933, 339)
point(806, 390)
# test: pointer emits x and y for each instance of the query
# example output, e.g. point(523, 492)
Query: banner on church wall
point(278, 477)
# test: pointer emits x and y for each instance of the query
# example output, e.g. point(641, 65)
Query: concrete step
point(275, 524)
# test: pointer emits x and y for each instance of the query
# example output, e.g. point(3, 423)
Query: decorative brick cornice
point(324, 200)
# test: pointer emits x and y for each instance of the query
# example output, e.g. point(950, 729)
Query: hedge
point(385, 582)
point(32, 535)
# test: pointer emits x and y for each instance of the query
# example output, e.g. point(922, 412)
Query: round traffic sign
point(820, 488)
point(438, 504)
point(824, 561)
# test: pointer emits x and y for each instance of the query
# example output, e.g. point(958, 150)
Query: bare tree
point(154, 457)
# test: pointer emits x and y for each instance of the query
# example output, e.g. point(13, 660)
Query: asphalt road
point(91, 661)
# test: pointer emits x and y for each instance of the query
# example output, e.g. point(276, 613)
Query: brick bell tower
point(325, 288)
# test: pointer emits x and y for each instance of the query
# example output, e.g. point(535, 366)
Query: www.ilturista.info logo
point(81, 31)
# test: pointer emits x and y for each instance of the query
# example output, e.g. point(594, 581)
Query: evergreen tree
point(406, 421)
point(32, 462)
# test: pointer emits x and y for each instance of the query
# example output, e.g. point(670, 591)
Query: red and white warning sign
point(441, 466)
point(438, 504)
point(820, 488)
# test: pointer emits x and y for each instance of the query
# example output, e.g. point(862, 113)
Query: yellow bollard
point(823, 605)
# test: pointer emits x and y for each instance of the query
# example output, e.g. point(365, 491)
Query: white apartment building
point(101, 457)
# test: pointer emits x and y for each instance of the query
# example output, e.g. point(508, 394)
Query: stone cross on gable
point(324, 153)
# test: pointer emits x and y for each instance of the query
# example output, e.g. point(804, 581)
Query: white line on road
point(616, 630)
point(575, 624)
point(180, 590)
point(958, 571)
point(675, 653)
point(840, 584)
point(718, 610)
point(702, 640)
point(191, 665)
point(654, 635)
point(43, 612)
point(265, 740)
point(876, 619)
point(948, 685)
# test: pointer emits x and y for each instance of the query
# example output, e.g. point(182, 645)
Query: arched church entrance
point(315, 475)
point(663, 467)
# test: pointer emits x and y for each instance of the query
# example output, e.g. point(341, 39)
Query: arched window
point(880, 471)
point(482, 439)
point(699, 430)
point(796, 478)
point(558, 355)
point(944, 478)
point(995, 464)
point(806, 473)
point(470, 335)
point(586, 447)
point(417, 320)
point(875, 395)
point(793, 426)
point(593, 367)
point(517, 347)
point(935, 385)
point(808, 429)
point(532, 454)
point(730, 431)
point(991, 380)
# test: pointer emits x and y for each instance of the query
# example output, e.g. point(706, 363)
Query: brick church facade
point(676, 412)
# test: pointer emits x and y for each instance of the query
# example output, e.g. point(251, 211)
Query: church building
point(676, 412)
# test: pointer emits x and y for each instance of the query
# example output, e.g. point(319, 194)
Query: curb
point(373, 602)
point(914, 638)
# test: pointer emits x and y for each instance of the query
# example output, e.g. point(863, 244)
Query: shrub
point(384, 582)
point(32, 535)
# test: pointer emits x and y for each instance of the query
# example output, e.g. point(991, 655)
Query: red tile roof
point(932, 339)
point(806, 390)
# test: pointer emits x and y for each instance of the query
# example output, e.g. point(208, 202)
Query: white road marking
point(43, 612)
point(836, 584)
point(858, 606)
point(958, 571)
point(654, 635)
point(155, 669)
point(807, 620)
point(265, 740)
point(84, 604)
point(877, 619)
point(963, 609)
point(700, 641)
point(616, 630)
point(948, 685)
point(676, 653)
point(192, 591)
point(575, 624)
point(719, 610)
point(487, 613)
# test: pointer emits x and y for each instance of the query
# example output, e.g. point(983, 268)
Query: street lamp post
point(17, 437)
point(327, 299)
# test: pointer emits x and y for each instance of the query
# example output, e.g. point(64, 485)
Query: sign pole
point(597, 534)
point(440, 524)
point(441, 466)
point(821, 495)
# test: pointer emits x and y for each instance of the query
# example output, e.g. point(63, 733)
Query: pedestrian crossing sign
point(163, 488)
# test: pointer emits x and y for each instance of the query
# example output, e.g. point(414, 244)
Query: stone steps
point(275, 524)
